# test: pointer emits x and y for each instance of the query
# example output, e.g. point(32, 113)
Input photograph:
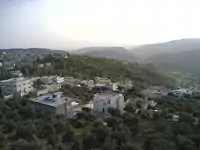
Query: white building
point(40, 65)
point(48, 64)
point(125, 84)
point(19, 86)
point(70, 79)
point(181, 92)
point(65, 56)
point(90, 105)
point(152, 103)
point(106, 100)
point(175, 117)
point(112, 86)
point(9, 65)
point(102, 80)
point(16, 73)
point(89, 83)
point(58, 79)
point(157, 88)
point(4, 53)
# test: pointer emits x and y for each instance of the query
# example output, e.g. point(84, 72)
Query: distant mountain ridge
point(142, 52)
point(27, 56)
point(182, 45)
point(117, 53)
point(180, 55)
point(187, 61)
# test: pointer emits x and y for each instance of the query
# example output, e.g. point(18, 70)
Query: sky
point(76, 23)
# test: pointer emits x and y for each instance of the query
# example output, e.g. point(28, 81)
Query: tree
point(121, 137)
point(129, 108)
point(24, 133)
point(196, 138)
point(184, 143)
point(113, 112)
point(37, 84)
point(185, 117)
point(101, 132)
point(9, 127)
point(24, 145)
point(3, 142)
point(130, 119)
point(68, 134)
point(158, 144)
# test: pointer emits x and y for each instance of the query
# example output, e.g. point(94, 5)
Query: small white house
point(175, 117)
point(181, 92)
point(106, 100)
point(89, 83)
point(70, 80)
point(125, 84)
point(16, 73)
point(48, 64)
point(40, 65)
point(102, 80)
point(90, 105)
point(65, 56)
point(112, 86)
point(152, 103)
point(59, 79)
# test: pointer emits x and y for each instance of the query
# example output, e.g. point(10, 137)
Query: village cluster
point(50, 97)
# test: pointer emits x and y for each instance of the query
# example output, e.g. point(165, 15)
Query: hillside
point(117, 53)
point(175, 46)
point(88, 68)
point(187, 61)
point(26, 56)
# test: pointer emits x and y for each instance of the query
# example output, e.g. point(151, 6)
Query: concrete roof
point(15, 79)
point(53, 102)
point(108, 94)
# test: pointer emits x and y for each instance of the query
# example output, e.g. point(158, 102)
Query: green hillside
point(87, 68)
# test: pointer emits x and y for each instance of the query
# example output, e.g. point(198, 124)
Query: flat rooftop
point(183, 90)
point(49, 101)
point(108, 94)
point(14, 79)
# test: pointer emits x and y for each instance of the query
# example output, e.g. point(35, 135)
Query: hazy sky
point(67, 23)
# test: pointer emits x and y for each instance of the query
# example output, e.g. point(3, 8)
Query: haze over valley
point(99, 75)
